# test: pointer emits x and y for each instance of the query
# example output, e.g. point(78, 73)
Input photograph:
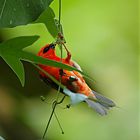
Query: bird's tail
point(101, 104)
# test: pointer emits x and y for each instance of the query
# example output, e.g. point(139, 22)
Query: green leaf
point(48, 18)
point(16, 66)
point(21, 12)
point(12, 52)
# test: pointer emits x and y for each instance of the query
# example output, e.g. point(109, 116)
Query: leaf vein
point(2, 10)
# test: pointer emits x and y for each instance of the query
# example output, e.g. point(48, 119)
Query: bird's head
point(47, 51)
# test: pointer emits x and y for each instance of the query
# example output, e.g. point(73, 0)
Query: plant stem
point(55, 103)
point(59, 15)
point(49, 121)
point(59, 123)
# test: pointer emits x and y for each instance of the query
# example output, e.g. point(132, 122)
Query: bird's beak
point(52, 46)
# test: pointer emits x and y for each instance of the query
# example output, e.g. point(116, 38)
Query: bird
point(75, 85)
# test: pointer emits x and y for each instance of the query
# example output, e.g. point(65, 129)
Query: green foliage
point(12, 52)
point(15, 12)
point(105, 44)
point(47, 17)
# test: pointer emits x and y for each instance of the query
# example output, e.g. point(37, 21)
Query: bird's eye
point(46, 49)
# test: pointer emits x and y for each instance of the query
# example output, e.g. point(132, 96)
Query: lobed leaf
point(12, 52)
point(21, 12)
point(48, 18)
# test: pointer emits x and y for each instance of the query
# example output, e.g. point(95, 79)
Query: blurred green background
point(103, 38)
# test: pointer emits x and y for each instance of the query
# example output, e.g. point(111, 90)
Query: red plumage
point(73, 81)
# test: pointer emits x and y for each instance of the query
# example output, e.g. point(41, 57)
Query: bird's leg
point(68, 52)
point(61, 40)
point(68, 56)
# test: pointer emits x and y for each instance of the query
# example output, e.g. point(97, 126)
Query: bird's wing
point(103, 100)
point(97, 107)
point(76, 65)
point(50, 83)
point(101, 104)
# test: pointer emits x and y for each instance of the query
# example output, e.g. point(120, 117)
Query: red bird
point(76, 86)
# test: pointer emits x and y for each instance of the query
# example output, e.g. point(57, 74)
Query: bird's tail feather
point(103, 100)
point(97, 106)
point(101, 104)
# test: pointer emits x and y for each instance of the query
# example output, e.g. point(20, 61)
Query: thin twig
point(60, 78)
point(49, 122)
point(59, 123)
point(53, 109)
point(59, 15)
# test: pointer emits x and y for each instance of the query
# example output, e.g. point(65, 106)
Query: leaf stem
point(59, 15)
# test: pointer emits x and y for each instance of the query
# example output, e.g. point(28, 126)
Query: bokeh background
point(103, 38)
